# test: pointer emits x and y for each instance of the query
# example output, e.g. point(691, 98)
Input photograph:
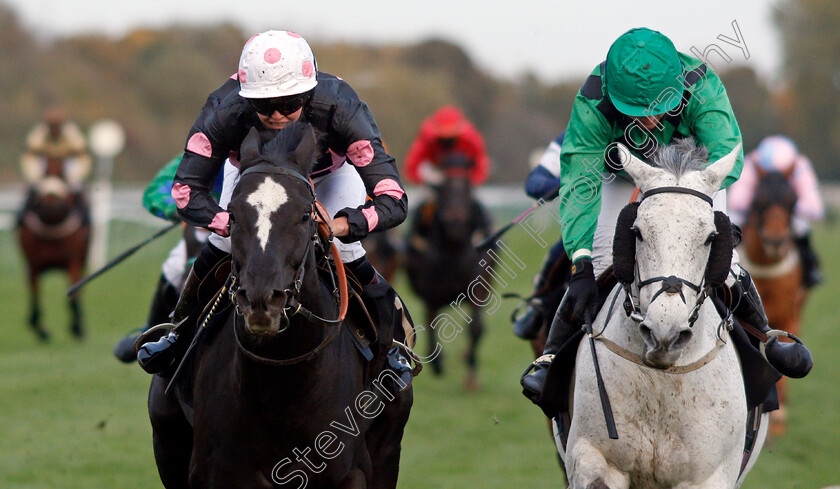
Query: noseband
point(670, 284)
point(293, 305)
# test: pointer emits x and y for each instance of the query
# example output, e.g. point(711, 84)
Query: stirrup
point(418, 362)
point(153, 334)
point(542, 360)
point(776, 333)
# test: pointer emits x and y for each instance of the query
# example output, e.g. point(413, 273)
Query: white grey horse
point(675, 385)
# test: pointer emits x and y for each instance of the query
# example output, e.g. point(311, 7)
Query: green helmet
point(642, 66)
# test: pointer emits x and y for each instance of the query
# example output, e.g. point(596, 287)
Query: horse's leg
point(74, 274)
point(35, 306)
point(476, 331)
point(587, 468)
point(778, 418)
point(354, 480)
point(436, 360)
point(172, 436)
point(384, 437)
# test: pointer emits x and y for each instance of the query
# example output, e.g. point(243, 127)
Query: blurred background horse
point(54, 233)
point(768, 252)
point(441, 259)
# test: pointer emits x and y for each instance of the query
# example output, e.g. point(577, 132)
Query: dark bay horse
point(54, 233)
point(276, 393)
point(769, 254)
point(442, 262)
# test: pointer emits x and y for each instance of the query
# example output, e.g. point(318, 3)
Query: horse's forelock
point(681, 157)
point(278, 148)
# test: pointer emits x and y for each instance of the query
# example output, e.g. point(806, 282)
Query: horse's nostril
point(242, 298)
point(647, 334)
point(278, 298)
point(682, 338)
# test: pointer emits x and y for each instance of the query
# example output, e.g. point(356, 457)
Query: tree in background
point(753, 104)
point(810, 102)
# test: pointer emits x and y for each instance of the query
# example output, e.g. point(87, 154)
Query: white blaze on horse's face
point(673, 239)
point(267, 199)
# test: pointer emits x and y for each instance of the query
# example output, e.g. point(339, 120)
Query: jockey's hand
point(340, 226)
point(582, 296)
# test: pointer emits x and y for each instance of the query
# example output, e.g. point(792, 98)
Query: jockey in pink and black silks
point(325, 101)
point(355, 179)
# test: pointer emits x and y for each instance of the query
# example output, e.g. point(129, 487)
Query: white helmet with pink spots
point(276, 64)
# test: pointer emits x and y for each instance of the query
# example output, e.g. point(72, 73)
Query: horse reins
point(293, 306)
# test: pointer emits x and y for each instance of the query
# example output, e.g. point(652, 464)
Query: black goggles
point(284, 105)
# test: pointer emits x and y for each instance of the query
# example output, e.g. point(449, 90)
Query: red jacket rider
point(444, 132)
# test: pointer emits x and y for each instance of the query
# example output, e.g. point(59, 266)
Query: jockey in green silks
point(644, 95)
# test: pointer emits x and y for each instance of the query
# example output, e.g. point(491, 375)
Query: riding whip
point(122, 256)
point(546, 197)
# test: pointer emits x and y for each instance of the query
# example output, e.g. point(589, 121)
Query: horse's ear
point(641, 172)
point(250, 147)
point(717, 171)
point(304, 155)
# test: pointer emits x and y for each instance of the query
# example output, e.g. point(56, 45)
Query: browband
point(677, 190)
point(279, 170)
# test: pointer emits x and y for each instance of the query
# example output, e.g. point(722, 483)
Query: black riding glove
point(582, 296)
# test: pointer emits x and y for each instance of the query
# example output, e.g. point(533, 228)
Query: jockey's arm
point(582, 162)
point(355, 127)
point(481, 166)
point(809, 204)
point(546, 175)
point(216, 132)
point(418, 156)
point(712, 123)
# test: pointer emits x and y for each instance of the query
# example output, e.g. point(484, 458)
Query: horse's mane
point(681, 157)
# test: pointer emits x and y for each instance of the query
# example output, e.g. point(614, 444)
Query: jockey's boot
point(811, 275)
point(789, 359)
point(156, 356)
point(528, 325)
point(381, 301)
point(558, 333)
point(163, 302)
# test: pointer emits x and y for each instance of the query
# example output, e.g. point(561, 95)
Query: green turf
point(71, 416)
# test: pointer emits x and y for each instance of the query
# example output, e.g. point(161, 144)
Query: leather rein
point(294, 306)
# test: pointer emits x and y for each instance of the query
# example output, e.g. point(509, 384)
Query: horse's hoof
point(437, 366)
point(77, 331)
point(778, 423)
point(42, 334)
point(471, 382)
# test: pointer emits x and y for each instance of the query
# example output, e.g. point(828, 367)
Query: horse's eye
point(710, 239)
point(637, 233)
point(304, 217)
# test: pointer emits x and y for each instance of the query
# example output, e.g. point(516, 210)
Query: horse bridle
point(293, 305)
point(670, 284)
